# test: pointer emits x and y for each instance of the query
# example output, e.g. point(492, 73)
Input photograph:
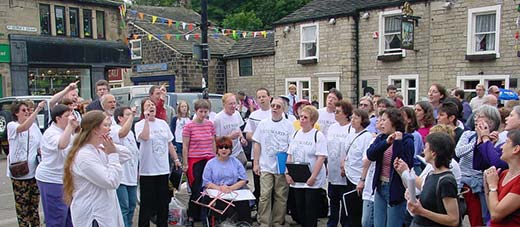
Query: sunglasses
point(223, 147)
point(276, 106)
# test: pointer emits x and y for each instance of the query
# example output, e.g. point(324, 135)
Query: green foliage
point(156, 2)
point(243, 21)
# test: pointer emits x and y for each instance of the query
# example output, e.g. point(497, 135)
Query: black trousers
point(256, 192)
point(354, 206)
point(194, 210)
point(155, 198)
point(306, 200)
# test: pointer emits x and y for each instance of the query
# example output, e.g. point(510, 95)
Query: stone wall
point(187, 72)
point(263, 76)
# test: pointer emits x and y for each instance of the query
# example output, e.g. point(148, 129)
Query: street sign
point(5, 54)
point(21, 28)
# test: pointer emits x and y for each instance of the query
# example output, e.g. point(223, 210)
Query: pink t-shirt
point(424, 132)
point(201, 139)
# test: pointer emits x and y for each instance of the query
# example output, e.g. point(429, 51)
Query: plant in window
point(392, 34)
point(485, 32)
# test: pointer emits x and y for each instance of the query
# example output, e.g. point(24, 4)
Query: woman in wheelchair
point(226, 174)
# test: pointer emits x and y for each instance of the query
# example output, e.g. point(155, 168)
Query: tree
point(243, 21)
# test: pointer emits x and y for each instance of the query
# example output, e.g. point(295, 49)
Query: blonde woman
point(177, 124)
point(92, 173)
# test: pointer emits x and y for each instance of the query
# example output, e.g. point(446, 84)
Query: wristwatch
point(492, 189)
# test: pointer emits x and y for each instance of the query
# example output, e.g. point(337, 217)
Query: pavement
point(8, 213)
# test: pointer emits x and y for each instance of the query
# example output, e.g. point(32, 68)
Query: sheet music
point(237, 195)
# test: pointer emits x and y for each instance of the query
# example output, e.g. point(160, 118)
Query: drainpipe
point(356, 58)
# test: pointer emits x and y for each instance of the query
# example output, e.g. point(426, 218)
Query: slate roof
point(252, 47)
point(322, 9)
point(101, 2)
point(217, 46)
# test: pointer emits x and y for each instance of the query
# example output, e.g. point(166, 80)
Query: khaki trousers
point(273, 188)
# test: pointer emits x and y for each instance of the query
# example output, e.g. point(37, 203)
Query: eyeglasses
point(276, 106)
point(24, 110)
point(496, 92)
point(223, 147)
point(338, 111)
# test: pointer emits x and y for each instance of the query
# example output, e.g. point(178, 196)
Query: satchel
point(20, 169)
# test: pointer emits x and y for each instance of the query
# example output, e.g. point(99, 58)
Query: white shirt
point(325, 120)
point(18, 147)
point(153, 153)
point(336, 152)
point(225, 124)
point(96, 177)
point(454, 167)
point(303, 148)
point(255, 118)
point(50, 169)
point(273, 137)
point(356, 146)
point(179, 126)
point(130, 167)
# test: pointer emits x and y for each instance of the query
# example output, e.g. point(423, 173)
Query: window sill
point(390, 57)
point(307, 61)
point(480, 57)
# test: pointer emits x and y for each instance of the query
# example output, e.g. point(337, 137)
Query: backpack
point(460, 200)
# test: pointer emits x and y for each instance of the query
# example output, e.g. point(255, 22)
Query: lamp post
point(204, 46)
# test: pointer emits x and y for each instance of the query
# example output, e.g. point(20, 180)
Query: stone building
point(356, 46)
point(47, 44)
point(161, 54)
point(250, 65)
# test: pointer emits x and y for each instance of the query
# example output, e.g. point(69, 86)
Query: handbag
point(20, 169)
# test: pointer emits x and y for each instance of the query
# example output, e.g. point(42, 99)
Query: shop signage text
point(152, 67)
point(21, 28)
point(5, 55)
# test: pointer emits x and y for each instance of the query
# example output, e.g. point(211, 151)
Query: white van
point(123, 95)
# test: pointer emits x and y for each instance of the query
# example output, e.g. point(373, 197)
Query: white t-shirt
point(96, 177)
point(336, 152)
point(226, 124)
point(153, 153)
point(50, 169)
point(325, 120)
point(273, 137)
point(130, 167)
point(18, 147)
point(255, 118)
point(179, 126)
point(367, 190)
point(303, 148)
point(356, 146)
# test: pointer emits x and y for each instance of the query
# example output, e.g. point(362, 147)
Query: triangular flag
point(197, 36)
point(141, 15)
point(254, 34)
point(176, 25)
point(215, 35)
point(154, 18)
point(178, 36)
point(190, 26)
point(150, 37)
point(264, 33)
point(244, 34)
point(234, 34)
point(133, 12)
point(159, 36)
point(216, 30)
point(135, 36)
point(170, 22)
point(183, 26)
point(126, 40)
point(168, 36)
point(187, 37)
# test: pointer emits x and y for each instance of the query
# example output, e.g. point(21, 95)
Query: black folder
point(299, 171)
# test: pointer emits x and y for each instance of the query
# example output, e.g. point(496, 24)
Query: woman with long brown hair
point(92, 173)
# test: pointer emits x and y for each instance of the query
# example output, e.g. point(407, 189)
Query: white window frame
point(302, 52)
point(321, 100)
point(382, 16)
point(483, 79)
point(299, 88)
point(404, 84)
point(472, 13)
point(132, 49)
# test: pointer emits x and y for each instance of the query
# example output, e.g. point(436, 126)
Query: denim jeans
point(127, 196)
point(384, 213)
point(367, 220)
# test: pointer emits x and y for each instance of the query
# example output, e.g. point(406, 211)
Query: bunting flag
point(168, 36)
point(170, 22)
point(135, 36)
point(141, 16)
point(264, 33)
point(197, 36)
point(177, 25)
point(150, 37)
point(244, 34)
point(178, 36)
point(183, 25)
point(154, 18)
point(190, 27)
point(187, 37)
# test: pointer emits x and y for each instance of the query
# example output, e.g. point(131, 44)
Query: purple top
point(487, 155)
point(223, 172)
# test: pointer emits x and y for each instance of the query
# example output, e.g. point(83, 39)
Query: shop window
point(309, 41)
point(484, 30)
point(49, 81)
point(406, 87)
point(45, 19)
point(246, 66)
point(87, 23)
point(100, 22)
point(59, 14)
point(74, 22)
point(135, 49)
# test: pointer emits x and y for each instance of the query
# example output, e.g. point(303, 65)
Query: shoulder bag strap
point(28, 137)
point(350, 145)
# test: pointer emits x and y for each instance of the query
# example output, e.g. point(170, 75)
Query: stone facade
point(335, 63)
point(263, 76)
point(187, 72)
point(440, 49)
point(26, 13)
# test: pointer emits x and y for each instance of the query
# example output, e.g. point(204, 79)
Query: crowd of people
point(382, 163)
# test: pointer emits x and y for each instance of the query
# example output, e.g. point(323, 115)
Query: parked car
point(125, 94)
point(42, 119)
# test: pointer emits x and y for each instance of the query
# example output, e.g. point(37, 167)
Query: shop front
point(43, 65)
